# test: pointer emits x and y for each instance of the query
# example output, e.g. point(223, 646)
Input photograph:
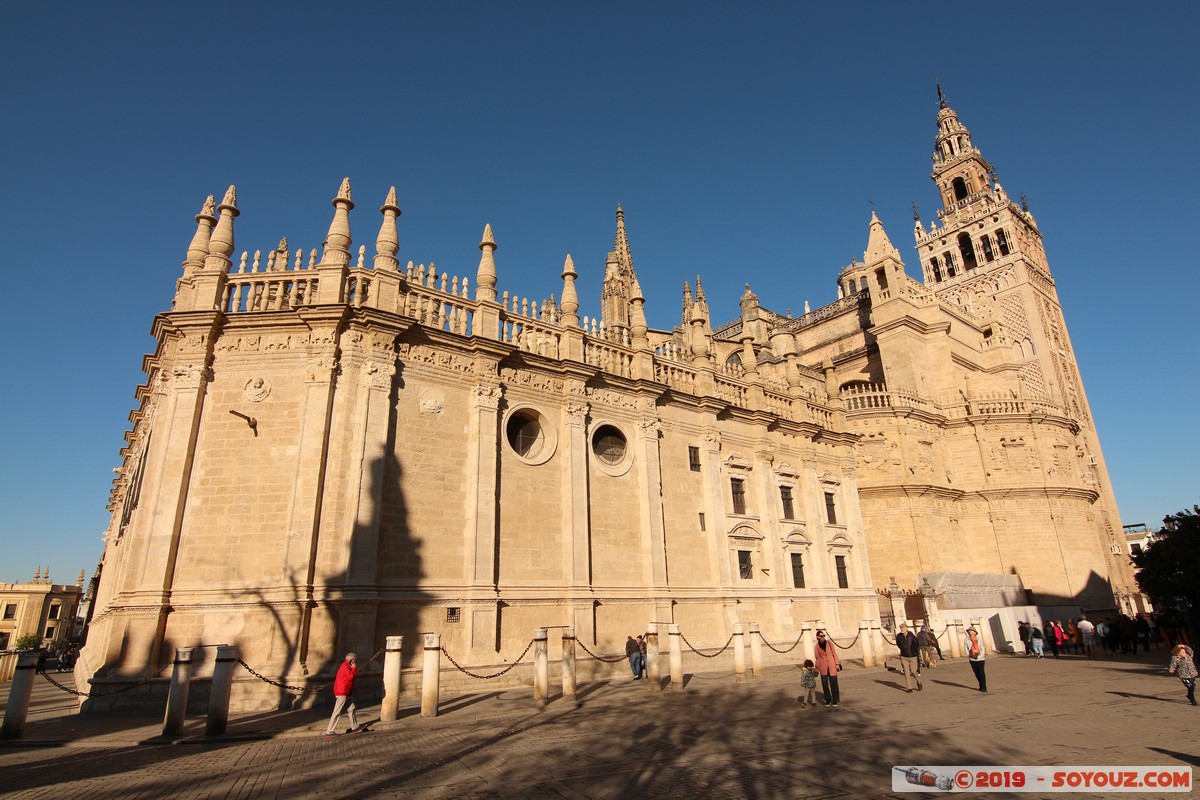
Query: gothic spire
point(220, 245)
point(570, 300)
point(879, 246)
point(388, 241)
point(198, 250)
point(337, 241)
point(485, 277)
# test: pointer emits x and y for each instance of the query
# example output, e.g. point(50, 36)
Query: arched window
point(1002, 242)
point(967, 250)
point(881, 277)
point(853, 287)
point(937, 269)
point(950, 265)
point(960, 189)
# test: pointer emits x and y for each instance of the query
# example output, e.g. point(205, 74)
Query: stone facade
point(39, 607)
point(329, 450)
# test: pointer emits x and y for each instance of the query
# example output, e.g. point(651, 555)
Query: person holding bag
point(828, 666)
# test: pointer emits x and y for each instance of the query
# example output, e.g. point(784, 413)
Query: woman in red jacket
point(828, 665)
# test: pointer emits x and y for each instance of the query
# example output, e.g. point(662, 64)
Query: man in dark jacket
point(910, 650)
point(343, 693)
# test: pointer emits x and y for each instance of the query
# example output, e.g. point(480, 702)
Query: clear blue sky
point(744, 145)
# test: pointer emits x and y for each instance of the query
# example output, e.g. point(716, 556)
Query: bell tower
point(987, 257)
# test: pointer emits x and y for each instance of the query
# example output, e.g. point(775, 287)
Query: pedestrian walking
point(910, 651)
point(1183, 665)
point(343, 694)
point(1037, 641)
point(808, 682)
point(975, 657)
point(828, 666)
point(930, 655)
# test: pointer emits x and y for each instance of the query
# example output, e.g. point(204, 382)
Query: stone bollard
point(809, 641)
point(431, 675)
point(19, 693)
point(389, 709)
point(541, 668)
point(653, 673)
point(177, 695)
point(864, 636)
point(222, 688)
point(676, 656)
point(568, 663)
point(755, 651)
point(955, 631)
point(739, 653)
point(877, 643)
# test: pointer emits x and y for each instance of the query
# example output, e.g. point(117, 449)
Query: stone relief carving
point(418, 355)
point(486, 396)
point(257, 390)
point(533, 380)
point(431, 401)
point(610, 398)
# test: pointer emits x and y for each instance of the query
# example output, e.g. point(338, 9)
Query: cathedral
point(332, 447)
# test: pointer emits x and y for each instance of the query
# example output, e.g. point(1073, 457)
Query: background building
point(331, 449)
point(39, 607)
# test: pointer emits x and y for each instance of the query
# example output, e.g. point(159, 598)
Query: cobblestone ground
point(716, 739)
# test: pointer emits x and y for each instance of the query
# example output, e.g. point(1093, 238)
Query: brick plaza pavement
point(714, 740)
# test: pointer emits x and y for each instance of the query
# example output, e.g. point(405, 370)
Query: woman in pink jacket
point(828, 665)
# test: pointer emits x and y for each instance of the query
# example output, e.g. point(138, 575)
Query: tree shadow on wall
point(360, 589)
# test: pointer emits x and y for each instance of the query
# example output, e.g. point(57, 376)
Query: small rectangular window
point(745, 566)
point(54, 612)
point(10, 611)
point(789, 510)
point(702, 521)
point(4, 637)
point(694, 458)
point(49, 632)
point(830, 509)
point(798, 570)
point(739, 495)
point(843, 577)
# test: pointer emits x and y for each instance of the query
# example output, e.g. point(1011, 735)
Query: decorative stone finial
point(220, 245)
point(388, 241)
point(485, 277)
point(570, 299)
point(198, 250)
point(337, 241)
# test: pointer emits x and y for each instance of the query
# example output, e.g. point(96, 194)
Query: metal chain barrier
point(724, 647)
point(776, 649)
point(123, 689)
point(507, 669)
point(847, 646)
point(891, 641)
point(613, 660)
point(265, 679)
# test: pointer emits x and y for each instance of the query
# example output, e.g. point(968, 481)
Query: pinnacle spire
point(337, 241)
point(388, 241)
point(879, 246)
point(198, 250)
point(485, 277)
point(220, 245)
point(570, 299)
